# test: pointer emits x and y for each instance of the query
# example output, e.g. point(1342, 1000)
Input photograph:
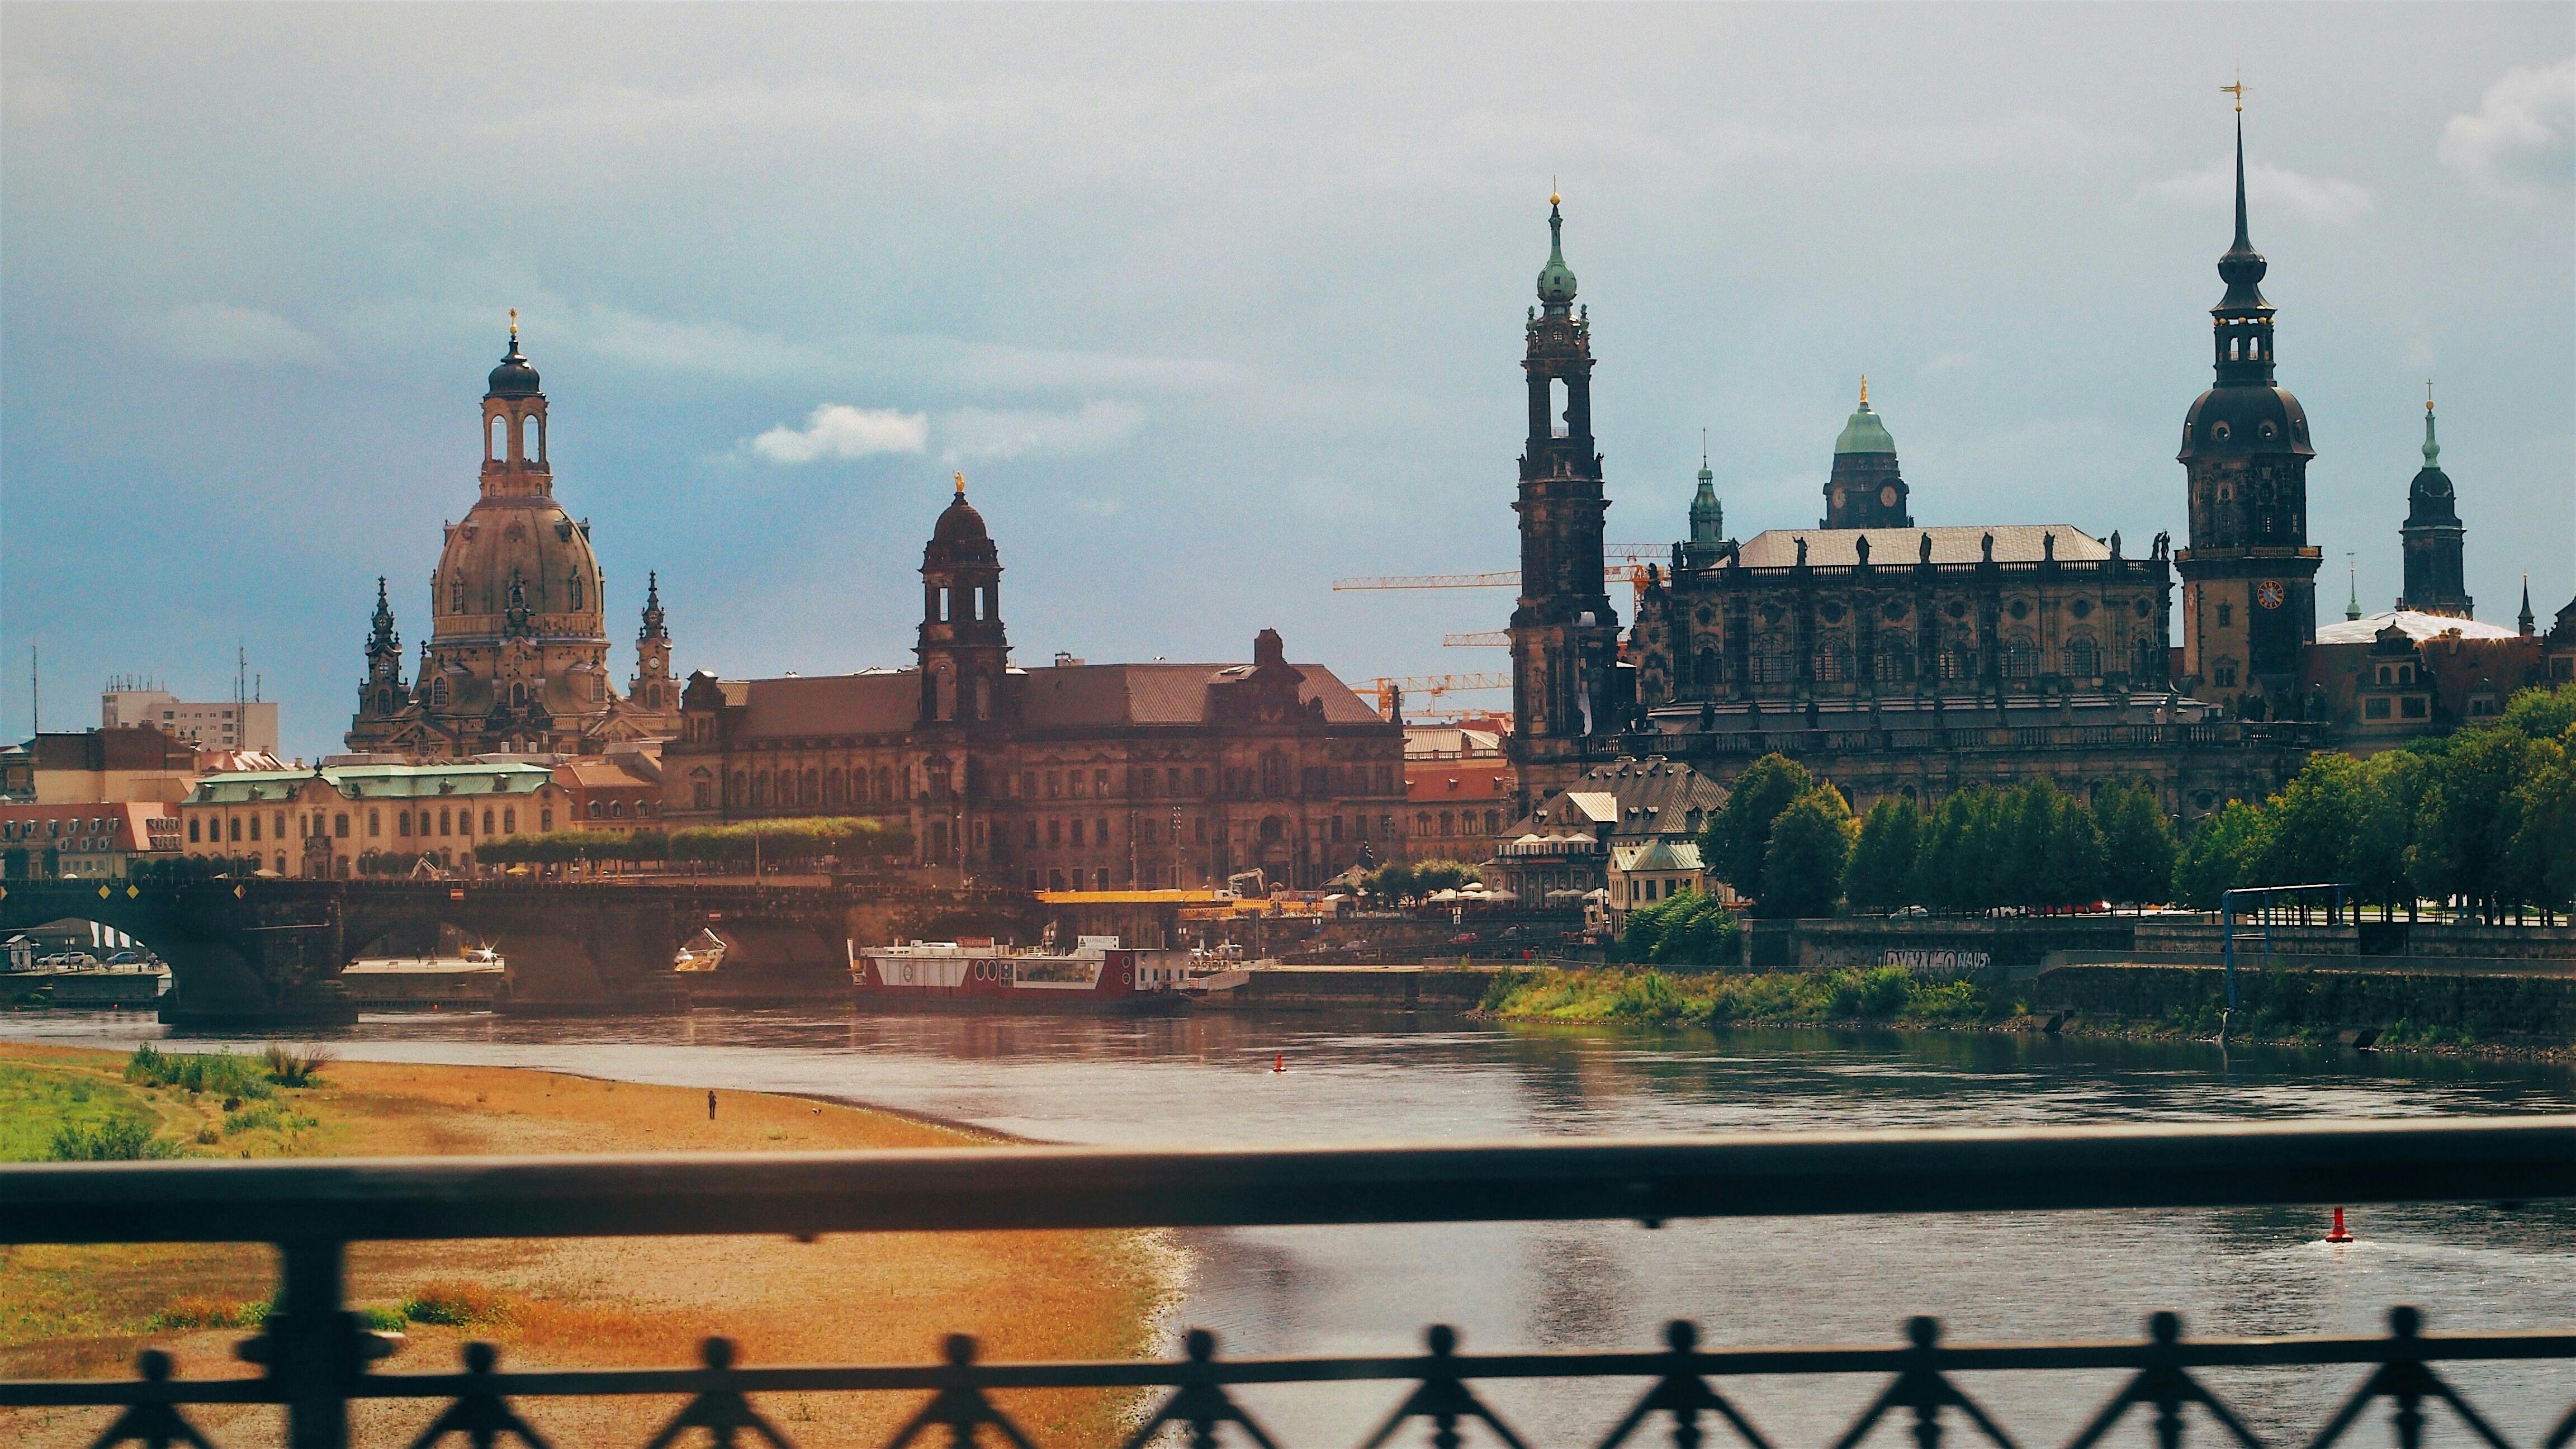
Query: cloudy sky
point(1212, 305)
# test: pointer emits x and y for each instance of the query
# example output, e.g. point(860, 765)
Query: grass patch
point(1664, 998)
point(39, 1104)
point(454, 1303)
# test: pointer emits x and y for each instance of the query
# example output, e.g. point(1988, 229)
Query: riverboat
point(1097, 976)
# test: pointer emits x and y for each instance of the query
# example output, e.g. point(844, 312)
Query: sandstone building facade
point(1068, 777)
point(517, 657)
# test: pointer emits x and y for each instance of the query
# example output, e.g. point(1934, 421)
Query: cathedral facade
point(1071, 776)
point(1902, 660)
point(517, 656)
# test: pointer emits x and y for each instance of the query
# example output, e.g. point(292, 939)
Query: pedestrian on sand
point(711, 1104)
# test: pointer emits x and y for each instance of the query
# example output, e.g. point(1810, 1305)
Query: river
point(1210, 1079)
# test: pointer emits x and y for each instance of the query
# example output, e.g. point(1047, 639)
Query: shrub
point(291, 1068)
point(456, 1304)
point(123, 1139)
point(233, 1076)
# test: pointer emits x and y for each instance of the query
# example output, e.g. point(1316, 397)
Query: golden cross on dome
point(2237, 90)
point(514, 324)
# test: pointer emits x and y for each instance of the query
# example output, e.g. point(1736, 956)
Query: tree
point(1736, 841)
point(1810, 843)
point(2380, 860)
point(2468, 819)
point(2138, 845)
point(2076, 856)
point(2310, 825)
point(2540, 714)
point(2222, 855)
point(2547, 839)
point(1881, 874)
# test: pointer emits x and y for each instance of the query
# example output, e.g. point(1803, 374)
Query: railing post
point(312, 1344)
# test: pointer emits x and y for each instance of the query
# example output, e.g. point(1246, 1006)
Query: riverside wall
point(2416, 999)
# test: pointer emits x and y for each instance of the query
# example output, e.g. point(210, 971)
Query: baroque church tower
point(2432, 535)
point(517, 655)
point(1866, 489)
point(1565, 635)
point(964, 653)
point(652, 688)
point(2249, 575)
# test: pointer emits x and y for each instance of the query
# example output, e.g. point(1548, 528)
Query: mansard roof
point(1064, 696)
point(1777, 548)
point(2413, 624)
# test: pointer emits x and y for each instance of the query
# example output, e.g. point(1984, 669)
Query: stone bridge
point(268, 952)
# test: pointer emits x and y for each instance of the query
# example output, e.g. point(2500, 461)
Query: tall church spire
point(1707, 515)
point(2436, 577)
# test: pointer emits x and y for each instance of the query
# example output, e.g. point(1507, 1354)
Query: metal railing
point(315, 1354)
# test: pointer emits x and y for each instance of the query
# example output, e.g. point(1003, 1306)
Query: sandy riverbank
point(847, 1299)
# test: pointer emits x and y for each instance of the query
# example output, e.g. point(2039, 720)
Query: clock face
point(2269, 593)
point(1887, 496)
point(1838, 498)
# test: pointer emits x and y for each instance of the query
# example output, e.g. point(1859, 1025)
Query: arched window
point(532, 442)
point(487, 820)
point(832, 787)
point(741, 792)
point(760, 790)
point(193, 826)
point(1274, 773)
point(598, 809)
point(1709, 671)
point(438, 691)
point(943, 688)
point(1422, 823)
point(983, 698)
point(812, 793)
point(885, 784)
point(1448, 823)
point(2020, 659)
point(456, 593)
point(2148, 664)
point(2083, 657)
point(510, 820)
point(574, 589)
point(1895, 660)
point(1834, 662)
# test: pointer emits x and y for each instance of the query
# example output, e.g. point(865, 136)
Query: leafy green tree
point(2138, 845)
point(2548, 809)
point(1881, 874)
point(1688, 929)
point(2311, 823)
point(1810, 843)
point(2224, 854)
point(1936, 857)
point(2076, 855)
point(2540, 714)
point(2468, 819)
point(2380, 860)
point(1737, 840)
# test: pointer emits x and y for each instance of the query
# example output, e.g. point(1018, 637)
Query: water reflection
point(1208, 1079)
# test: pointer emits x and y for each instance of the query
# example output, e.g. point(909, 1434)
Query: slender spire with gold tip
point(1556, 279)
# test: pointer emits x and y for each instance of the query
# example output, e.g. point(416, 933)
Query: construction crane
point(1621, 564)
point(1481, 639)
point(1434, 685)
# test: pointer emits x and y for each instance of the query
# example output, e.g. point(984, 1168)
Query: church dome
point(1864, 433)
point(2245, 420)
point(959, 523)
point(1556, 279)
point(514, 377)
point(528, 543)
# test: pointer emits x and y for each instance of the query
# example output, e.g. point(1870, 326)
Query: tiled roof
point(1070, 696)
point(1634, 797)
point(1890, 547)
point(1657, 855)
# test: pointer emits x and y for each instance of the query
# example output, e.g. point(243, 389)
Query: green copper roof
point(1707, 516)
point(1864, 433)
point(2432, 449)
point(1556, 279)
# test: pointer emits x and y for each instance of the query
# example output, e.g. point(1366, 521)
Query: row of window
point(1893, 663)
point(832, 787)
point(448, 820)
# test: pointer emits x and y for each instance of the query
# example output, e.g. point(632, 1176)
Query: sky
point(1211, 305)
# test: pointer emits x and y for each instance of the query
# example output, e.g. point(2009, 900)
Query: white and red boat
point(1097, 975)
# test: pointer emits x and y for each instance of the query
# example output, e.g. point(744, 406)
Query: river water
point(1210, 1079)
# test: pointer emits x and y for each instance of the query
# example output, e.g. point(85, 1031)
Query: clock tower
point(2249, 593)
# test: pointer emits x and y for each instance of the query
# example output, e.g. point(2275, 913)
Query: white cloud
point(2328, 200)
point(837, 430)
point(1950, 362)
point(219, 332)
point(2521, 144)
point(999, 433)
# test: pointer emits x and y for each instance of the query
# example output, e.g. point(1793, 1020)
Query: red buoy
point(2338, 1235)
point(1281, 1064)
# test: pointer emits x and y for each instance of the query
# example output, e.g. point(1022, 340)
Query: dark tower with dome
point(2432, 536)
point(964, 652)
point(1564, 634)
point(1866, 489)
point(517, 654)
point(2249, 574)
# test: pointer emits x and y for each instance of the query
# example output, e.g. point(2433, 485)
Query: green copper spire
point(1707, 516)
point(1864, 433)
point(2432, 448)
point(1556, 279)
point(2352, 582)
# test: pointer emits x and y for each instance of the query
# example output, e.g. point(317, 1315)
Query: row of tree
point(2485, 816)
point(781, 842)
point(1402, 880)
